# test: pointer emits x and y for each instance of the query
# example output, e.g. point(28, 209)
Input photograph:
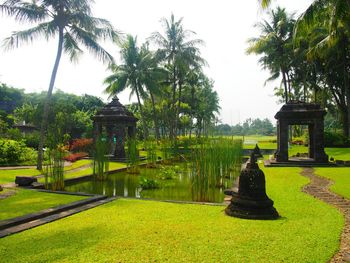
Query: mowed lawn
point(340, 177)
point(129, 230)
point(30, 201)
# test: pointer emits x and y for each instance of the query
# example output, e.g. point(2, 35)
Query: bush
point(75, 156)
point(32, 140)
point(16, 153)
point(82, 145)
point(332, 139)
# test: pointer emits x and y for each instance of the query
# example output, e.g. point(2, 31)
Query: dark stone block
point(341, 162)
point(1, 188)
point(25, 180)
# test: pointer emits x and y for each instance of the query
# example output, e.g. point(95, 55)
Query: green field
point(30, 201)
point(144, 231)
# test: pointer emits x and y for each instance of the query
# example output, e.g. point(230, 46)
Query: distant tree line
point(248, 127)
point(69, 114)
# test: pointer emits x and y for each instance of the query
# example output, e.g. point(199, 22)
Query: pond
point(179, 187)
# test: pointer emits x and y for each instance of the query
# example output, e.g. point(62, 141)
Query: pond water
point(178, 188)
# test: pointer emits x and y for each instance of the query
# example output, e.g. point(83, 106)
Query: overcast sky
point(224, 25)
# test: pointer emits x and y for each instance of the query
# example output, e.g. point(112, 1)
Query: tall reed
point(212, 162)
point(54, 172)
point(101, 161)
point(133, 156)
point(151, 148)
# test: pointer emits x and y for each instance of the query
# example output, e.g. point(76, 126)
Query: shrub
point(75, 156)
point(332, 139)
point(15, 153)
point(82, 145)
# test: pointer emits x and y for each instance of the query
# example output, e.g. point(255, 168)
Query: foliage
point(148, 183)
point(132, 156)
point(15, 153)
point(168, 172)
point(211, 162)
point(101, 161)
point(332, 139)
point(10, 98)
point(54, 172)
point(75, 156)
point(82, 145)
point(151, 149)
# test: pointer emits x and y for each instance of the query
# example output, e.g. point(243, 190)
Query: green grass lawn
point(9, 176)
point(29, 201)
point(341, 178)
point(145, 231)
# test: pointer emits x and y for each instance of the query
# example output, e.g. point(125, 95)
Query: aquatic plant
point(148, 183)
point(212, 162)
point(101, 161)
point(133, 156)
point(54, 170)
point(168, 172)
point(151, 149)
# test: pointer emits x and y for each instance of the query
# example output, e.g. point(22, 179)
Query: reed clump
point(133, 157)
point(212, 162)
point(54, 170)
point(101, 161)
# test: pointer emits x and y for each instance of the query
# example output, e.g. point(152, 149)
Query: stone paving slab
point(52, 217)
point(319, 188)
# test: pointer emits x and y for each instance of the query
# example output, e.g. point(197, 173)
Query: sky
point(223, 25)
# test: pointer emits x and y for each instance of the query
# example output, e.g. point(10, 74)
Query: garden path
point(319, 188)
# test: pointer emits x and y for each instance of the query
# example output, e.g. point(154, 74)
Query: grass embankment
point(28, 201)
point(135, 230)
point(341, 178)
point(9, 176)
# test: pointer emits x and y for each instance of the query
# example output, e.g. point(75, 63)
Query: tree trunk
point(173, 110)
point(345, 122)
point(48, 100)
point(155, 119)
point(178, 109)
point(285, 85)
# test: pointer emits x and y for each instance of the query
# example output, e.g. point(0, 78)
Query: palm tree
point(333, 16)
point(74, 24)
point(275, 44)
point(138, 72)
point(179, 53)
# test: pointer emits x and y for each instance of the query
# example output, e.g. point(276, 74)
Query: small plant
point(101, 162)
point(148, 183)
point(168, 173)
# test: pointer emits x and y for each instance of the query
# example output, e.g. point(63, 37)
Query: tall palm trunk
point(155, 118)
point(178, 108)
point(285, 85)
point(173, 106)
point(145, 132)
point(48, 100)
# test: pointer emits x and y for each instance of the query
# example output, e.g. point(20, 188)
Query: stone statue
point(251, 200)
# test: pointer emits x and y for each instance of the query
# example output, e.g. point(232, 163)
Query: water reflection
point(127, 185)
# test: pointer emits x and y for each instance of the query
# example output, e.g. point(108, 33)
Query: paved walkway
point(319, 188)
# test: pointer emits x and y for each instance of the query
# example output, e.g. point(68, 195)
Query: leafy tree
point(179, 54)
point(275, 44)
point(74, 24)
point(130, 74)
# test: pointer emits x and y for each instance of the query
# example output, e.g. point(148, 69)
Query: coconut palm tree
point(138, 71)
point(72, 22)
point(275, 44)
point(179, 52)
point(332, 16)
